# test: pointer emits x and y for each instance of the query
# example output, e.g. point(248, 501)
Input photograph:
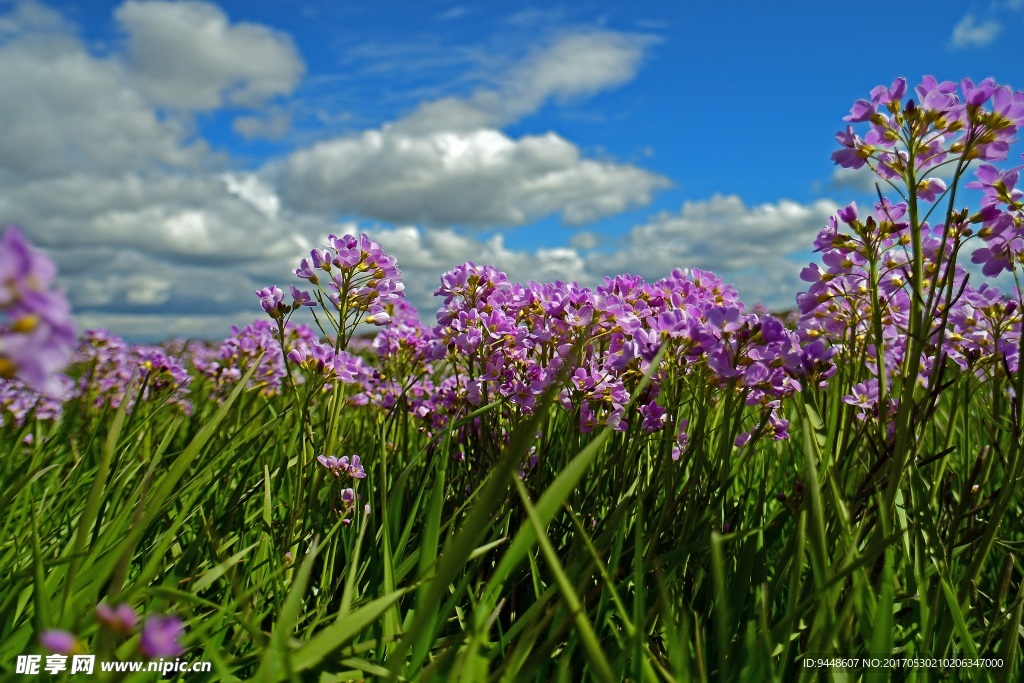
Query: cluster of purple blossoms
point(945, 121)
point(36, 333)
point(496, 335)
point(324, 362)
point(949, 124)
point(406, 337)
point(511, 341)
point(272, 301)
point(344, 465)
point(984, 331)
point(19, 400)
point(114, 371)
point(159, 637)
point(867, 274)
point(1002, 220)
point(864, 296)
point(355, 276)
point(239, 351)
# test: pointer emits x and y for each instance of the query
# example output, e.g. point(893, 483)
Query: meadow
point(643, 481)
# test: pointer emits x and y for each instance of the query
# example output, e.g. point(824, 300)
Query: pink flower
point(59, 642)
point(122, 618)
point(161, 637)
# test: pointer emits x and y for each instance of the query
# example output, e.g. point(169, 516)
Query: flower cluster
point(159, 637)
point(342, 465)
point(324, 362)
point(352, 274)
point(272, 301)
point(239, 351)
point(911, 138)
point(1001, 219)
point(511, 341)
point(878, 268)
point(114, 371)
point(36, 333)
point(948, 124)
point(19, 400)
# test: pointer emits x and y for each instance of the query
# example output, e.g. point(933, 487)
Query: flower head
point(161, 637)
point(36, 334)
point(122, 618)
point(59, 642)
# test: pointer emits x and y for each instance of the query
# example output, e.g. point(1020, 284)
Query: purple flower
point(975, 96)
point(855, 152)
point(161, 637)
point(936, 96)
point(122, 618)
point(864, 395)
point(862, 110)
point(336, 466)
point(930, 188)
point(893, 94)
point(301, 298)
point(355, 468)
point(378, 318)
point(59, 642)
point(36, 333)
point(271, 299)
point(999, 187)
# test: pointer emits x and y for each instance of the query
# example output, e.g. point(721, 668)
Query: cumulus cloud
point(572, 66)
point(862, 180)
point(30, 16)
point(969, 32)
point(448, 163)
point(760, 249)
point(272, 126)
point(585, 239)
point(481, 177)
point(64, 110)
point(187, 55)
point(102, 162)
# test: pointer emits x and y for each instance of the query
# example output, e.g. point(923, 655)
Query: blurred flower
point(161, 637)
point(36, 332)
point(59, 642)
point(122, 618)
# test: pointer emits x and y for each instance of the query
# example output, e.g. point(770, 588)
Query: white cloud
point(573, 66)
point(447, 163)
point(969, 33)
point(272, 126)
point(103, 164)
point(576, 65)
point(157, 327)
point(481, 177)
point(29, 16)
point(186, 55)
point(65, 110)
point(759, 249)
point(252, 190)
point(584, 239)
point(858, 179)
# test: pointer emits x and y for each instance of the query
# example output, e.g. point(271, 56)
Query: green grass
point(607, 561)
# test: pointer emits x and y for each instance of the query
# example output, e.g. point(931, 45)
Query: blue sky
point(173, 157)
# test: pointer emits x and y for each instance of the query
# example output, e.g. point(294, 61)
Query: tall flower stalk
point(946, 127)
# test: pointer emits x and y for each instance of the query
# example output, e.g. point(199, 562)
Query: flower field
point(643, 481)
